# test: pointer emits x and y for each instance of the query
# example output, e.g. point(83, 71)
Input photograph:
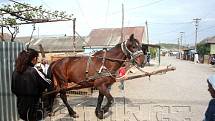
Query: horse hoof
point(74, 115)
point(99, 114)
point(105, 110)
point(50, 114)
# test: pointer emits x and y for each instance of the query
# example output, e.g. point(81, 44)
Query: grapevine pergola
point(13, 15)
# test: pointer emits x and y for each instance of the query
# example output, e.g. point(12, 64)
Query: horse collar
point(123, 47)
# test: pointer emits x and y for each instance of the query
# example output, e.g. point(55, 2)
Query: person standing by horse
point(210, 112)
point(28, 84)
point(43, 66)
point(122, 71)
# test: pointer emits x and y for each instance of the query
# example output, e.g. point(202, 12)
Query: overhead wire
point(171, 23)
point(83, 14)
point(146, 5)
point(107, 10)
point(130, 9)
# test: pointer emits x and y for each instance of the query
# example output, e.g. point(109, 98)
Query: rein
point(111, 59)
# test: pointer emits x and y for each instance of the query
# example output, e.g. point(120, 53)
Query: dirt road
point(180, 95)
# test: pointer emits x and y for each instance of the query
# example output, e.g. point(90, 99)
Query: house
point(209, 49)
point(109, 37)
point(54, 45)
point(6, 36)
point(211, 42)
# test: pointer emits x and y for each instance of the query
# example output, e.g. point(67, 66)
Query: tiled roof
point(111, 36)
point(209, 40)
point(7, 36)
point(53, 44)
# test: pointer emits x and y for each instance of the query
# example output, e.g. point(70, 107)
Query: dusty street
point(179, 95)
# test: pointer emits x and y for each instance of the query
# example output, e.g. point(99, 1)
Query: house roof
point(111, 36)
point(209, 40)
point(53, 43)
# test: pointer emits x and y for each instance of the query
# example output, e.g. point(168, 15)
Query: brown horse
point(98, 70)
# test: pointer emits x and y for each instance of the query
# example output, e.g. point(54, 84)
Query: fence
point(8, 53)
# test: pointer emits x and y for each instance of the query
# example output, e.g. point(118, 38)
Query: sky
point(166, 18)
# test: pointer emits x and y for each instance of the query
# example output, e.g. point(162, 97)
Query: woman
point(28, 85)
point(210, 112)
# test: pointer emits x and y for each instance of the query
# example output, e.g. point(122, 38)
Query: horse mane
point(101, 51)
point(118, 45)
point(98, 52)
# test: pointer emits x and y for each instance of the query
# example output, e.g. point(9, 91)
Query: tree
point(153, 52)
point(203, 49)
point(17, 14)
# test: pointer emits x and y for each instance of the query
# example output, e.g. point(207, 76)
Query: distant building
point(54, 45)
point(211, 42)
point(189, 54)
point(109, 37)
point(6, 36)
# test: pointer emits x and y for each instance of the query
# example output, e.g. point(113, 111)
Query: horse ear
point(131, 37)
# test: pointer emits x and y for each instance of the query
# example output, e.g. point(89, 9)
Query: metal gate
point(8, 53)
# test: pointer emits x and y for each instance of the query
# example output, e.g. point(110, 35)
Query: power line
point(83, 14)
point(107, 10)
point(134, 8)
point(171, 23)
point(146, 5)
point(210, 27)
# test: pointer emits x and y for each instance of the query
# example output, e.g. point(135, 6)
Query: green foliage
point(10, 21)
point(153, 52)
point(16, 14)
point(24, 12)
point(203, 49)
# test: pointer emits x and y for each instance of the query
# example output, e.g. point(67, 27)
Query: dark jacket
point(28, 87)
point(210, 112)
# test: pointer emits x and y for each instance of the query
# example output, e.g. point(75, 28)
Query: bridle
point(131, 55)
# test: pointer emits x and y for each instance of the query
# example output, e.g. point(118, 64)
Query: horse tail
point(49, 71)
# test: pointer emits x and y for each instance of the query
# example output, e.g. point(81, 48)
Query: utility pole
point(196, 20)
point(181, 38)
point(122, 31)
point(147, 32)
point(179, 53)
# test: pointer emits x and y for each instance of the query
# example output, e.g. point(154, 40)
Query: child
point(122, 72)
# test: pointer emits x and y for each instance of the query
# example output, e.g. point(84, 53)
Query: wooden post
point(74, 44)
point(42, 51)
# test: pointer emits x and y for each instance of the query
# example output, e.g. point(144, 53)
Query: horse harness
point(103, 71)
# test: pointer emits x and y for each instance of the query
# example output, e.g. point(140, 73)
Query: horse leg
point(51, 98)
point(104, 90)
point(105, 109)
point(98, 111)
point(72, 113)
point(50, 104)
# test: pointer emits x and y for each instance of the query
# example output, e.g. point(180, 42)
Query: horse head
point(132, 48)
